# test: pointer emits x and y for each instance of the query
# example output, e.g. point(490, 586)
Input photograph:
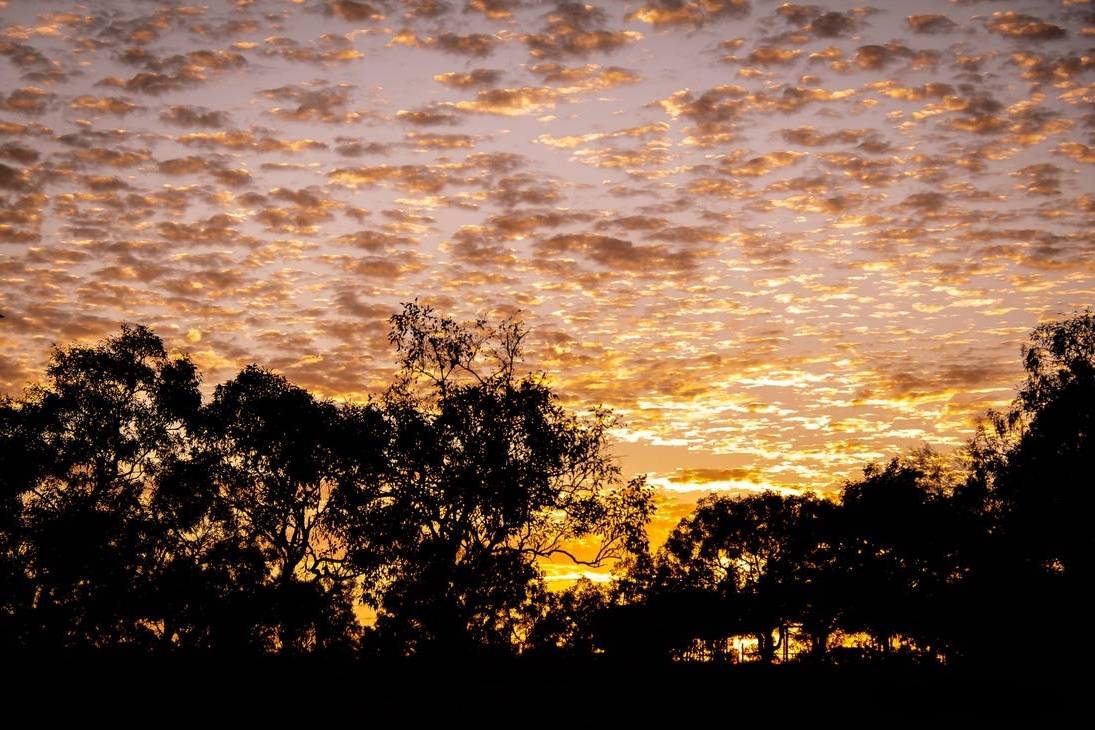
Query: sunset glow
point(780, 241)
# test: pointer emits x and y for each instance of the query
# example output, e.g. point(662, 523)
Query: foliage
point(264, 521)
point(134, 516)
point(272, 455)
point(1031, 468)
point(743, 565)
point(488, 475)
point(898, 550)
point(1046, 486)
point(85, 537)
point(566, 626)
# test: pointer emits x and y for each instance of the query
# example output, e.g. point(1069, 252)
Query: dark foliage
point(273, 531)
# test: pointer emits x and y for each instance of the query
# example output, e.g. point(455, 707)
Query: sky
point(780, 241)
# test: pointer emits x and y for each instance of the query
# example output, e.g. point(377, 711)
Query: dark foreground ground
point(325, 694)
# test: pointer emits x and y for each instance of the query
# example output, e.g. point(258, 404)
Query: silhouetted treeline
point(140, 520)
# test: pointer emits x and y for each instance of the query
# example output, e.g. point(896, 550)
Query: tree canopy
point(265, 521)
point(268, 520)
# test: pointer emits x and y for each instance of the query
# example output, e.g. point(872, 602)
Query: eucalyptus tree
point(17, 468)
point(902, 552)
point(487, 476)
point(1031, 467)
point(749, 562)
point(568, 622)
point(1045, 489)
point(86, 538)
point(273, 456)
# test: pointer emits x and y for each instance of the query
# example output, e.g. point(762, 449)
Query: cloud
point(315, 101)
point(1051, 70)
point(774, 231)
point(427, 117)
point(235, 139)
point(475, 44)
point(833, 25)
point(1021, 26)
point(690, 13)
point(328, 50)
point(585, 78)
point(27, 100)
point(524, 224)
point(12, 178)
point(771, 56)
point(930, 23)
point(442, 141)
point(873, 57)
point(618, 254)
point(494, 9)
point(354, 11)
point(511, 102)
point(163, 75)
point(478, 77)
point(560, 43)
point(1077, 151)
point(187, 116)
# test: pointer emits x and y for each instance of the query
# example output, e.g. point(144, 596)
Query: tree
point(811, 585)
point(86, 540)
point(20, 464)
point(274, 456)
point(487, 475)
point(900, 553)
point(1045, 488)
point(750, 555)
point(1031, 470)
point(566, 626)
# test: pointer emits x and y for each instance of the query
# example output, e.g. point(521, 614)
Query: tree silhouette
point(1046, 488)
point(742, 565)
point(1031, 469)
point(86, 538)
point(273, 455)
point(566, 626)
point(488, 475)
point(268, 522)
point(899, 552)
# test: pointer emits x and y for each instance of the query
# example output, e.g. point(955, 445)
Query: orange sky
point(780, 241)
